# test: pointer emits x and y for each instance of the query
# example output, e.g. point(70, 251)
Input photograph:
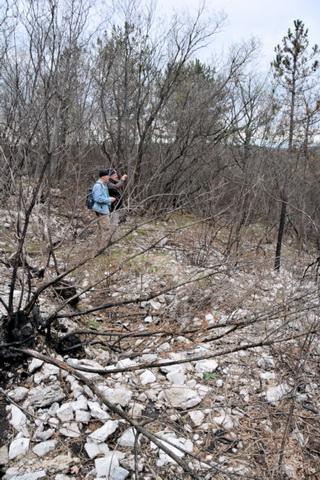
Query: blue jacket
point(101, 198)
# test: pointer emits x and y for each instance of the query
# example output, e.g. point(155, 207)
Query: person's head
point(113, 174)
point(104, 175)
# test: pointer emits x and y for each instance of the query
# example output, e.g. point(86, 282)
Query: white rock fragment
point(70, 430)
point(43, 448)
point(46, 372)
point(83, 416)
point(11, 472)
point(118, 395)
point(177, 445)
point(12, 475)
point(63, 477)
point(19, 446)
point(96, 449)
point(44, 396)
point(154, 304)
point(128, 438)
point(53, 422)
point(147, 377)
point(180, 397)
point(53, 409)
point(177, 376)
point(65, 412)
point(18, 420)
point(80, 404)
point(18, 394)
point(206, 365)
point(224, 420)
point(135, 409)
point(164, 346)
point(101, 434)
point(267, 375)
point(177, 356)
point(197, 416)
point(108, 467)
point(297, 435)
point(266, 362)
point(98, 412)
point(290, 472)
point(275, 394)
point(173, 368)
point(245, 394)
point(35, 364)
point(101, 356)
point(149, 358)
point(86, 363)
point(41, 435)
point(75, 387)
point(125, 362)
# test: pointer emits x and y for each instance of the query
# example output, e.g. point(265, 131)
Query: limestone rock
point(275, 394)
point(44, 396)
point(70, 430)
point(43, 448)
point(94, 449)
point(128, 438)
point(180, 397)
point(45, 373)
point(19, 446)
point(26, 476)
point(197, 416)
point(18, 420)
point(117, 395)
point(98, 412)
point(208, 365)
point(35, 364)
point(109, 467)
point(101, 434)
point(65, 412)
point(18, 394)
point(147, 377)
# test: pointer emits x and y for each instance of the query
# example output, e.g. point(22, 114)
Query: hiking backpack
point(89, 199)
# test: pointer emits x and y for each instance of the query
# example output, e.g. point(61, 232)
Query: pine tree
point(293, 69)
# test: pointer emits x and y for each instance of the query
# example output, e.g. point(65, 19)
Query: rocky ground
point(197, 365)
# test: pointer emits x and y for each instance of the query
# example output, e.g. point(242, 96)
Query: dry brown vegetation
point(233, 308)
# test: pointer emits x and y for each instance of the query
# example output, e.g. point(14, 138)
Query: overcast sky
point(267, 20)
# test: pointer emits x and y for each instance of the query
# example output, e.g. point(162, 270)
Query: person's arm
point(119, 183)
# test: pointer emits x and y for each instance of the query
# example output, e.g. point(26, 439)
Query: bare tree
point(137, 74)
point(43, 114)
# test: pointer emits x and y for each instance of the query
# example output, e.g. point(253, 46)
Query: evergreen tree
point(293, 69)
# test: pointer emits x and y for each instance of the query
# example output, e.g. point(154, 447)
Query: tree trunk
point(282, 222)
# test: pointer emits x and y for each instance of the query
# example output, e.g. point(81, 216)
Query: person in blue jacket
point(102, 204)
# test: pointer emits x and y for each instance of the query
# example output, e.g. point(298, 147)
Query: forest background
point(221, 140)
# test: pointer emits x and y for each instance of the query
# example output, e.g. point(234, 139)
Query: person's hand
point(124, 177)
point(113, 199)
